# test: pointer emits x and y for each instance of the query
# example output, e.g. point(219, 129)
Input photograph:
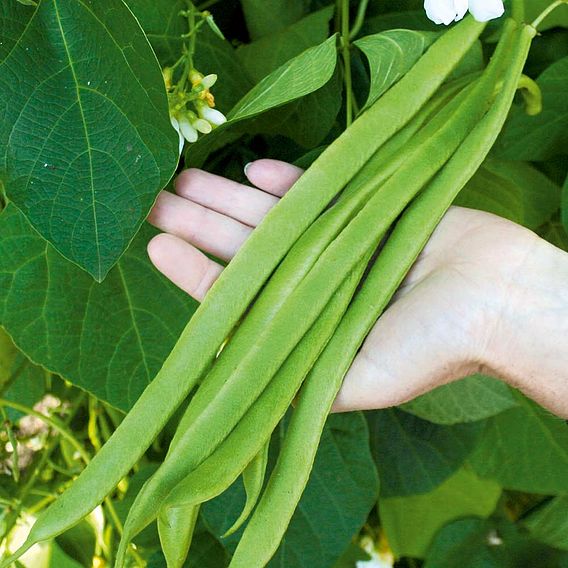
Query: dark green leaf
point(266, 17)
point(525, 448)
point(85, 133)
point(340, 493)
point(263, 56)
point(415, 456)
point(513, 190)
point(410, 523)
point(473, 543)
point(108, 338)
point(470, 399)
point(545, 135)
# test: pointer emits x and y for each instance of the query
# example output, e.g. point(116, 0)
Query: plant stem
point(545, 13)
point(518, 11)
point(359, 19)
point(346, 55)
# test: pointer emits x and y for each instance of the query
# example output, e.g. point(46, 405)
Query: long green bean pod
point(274, 511)
point(255, 368)
point(220, 469)
point(175, 529)
point(240, 282)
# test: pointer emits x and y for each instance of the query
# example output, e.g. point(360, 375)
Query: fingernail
point(247, 166)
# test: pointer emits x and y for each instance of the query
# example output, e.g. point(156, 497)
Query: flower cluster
point(201, 116)
point(448, 11)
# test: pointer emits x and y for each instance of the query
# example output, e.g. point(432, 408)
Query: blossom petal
point(189, 133)
point(440, 11)
point(176, 126)
point(485, 10)
point(460, 8)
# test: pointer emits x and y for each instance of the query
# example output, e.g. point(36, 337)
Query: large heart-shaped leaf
point(85, 137)
point(108, 338)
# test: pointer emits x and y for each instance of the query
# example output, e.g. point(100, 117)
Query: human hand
point(485, 295)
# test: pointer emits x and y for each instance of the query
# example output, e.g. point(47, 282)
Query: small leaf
point(391, 54)
point(467, 400)
point(85, 135)
point(265, 17)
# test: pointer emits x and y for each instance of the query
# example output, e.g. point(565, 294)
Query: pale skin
point(485, 294)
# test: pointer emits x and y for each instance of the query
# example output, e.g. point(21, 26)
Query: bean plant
point(140, 428)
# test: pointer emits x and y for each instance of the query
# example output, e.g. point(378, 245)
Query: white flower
point(187, 129)
point(209, 80)
point(211, 115)
point(176, 126)
point(448, 11)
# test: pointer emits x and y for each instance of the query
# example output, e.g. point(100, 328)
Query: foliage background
point(470, 474)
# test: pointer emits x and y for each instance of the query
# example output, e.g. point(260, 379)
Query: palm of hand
point(442, 322)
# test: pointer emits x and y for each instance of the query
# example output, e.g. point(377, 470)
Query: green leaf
point(85, 133)
point(266, 17)
point(390, 55)
point(415, 456)
point(513, 190)
point(410, 523)
point(108, 338)
point(549, 523)
point(475, 543)
point(302, 75)
point(545, 135)
point(555, 233)
point(526, 449)
point(468, 400)
point(164, 26)
point(340, 493)
point(263, 56)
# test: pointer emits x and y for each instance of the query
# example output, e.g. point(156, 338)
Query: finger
point(273, 176)
point(407, 353)
point(245, 204)
point(187, 267)
point(208, 230)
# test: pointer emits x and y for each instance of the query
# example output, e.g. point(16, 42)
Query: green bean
point(218, 471)
point(238, 285)
point(175, 528)
point(253, 480)
point(274, 511)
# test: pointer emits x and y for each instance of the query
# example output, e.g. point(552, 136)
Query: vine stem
point(359, 19)
point(518, 11)
point(545, 13)
point(346, 56)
